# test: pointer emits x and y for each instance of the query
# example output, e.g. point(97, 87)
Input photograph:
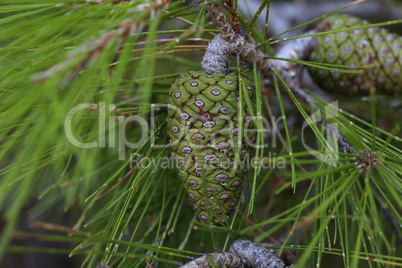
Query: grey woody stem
point(227, 44)
point(242, 254)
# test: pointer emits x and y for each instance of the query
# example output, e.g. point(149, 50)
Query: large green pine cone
point(203, 124)
point(375, 49)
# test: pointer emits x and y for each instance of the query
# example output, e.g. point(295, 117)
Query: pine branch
point(229, 43)
point(242, 254)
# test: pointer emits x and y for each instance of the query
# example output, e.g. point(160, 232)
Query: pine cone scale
point(374, 49)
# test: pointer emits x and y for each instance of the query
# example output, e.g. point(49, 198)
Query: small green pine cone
point(203, 124)
point(375, 49)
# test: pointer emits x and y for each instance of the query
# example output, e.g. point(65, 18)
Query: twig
point(295, 49)
point(242, 254)
point(228, 43)
point(216, 58)
point(343, 143)
point(221, 22)
point(233, 16)
point(220, 259)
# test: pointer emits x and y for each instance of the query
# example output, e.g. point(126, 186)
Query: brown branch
point(219, 19)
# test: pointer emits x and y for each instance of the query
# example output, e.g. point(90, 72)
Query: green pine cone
point(203, 124)
point(375, 49)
